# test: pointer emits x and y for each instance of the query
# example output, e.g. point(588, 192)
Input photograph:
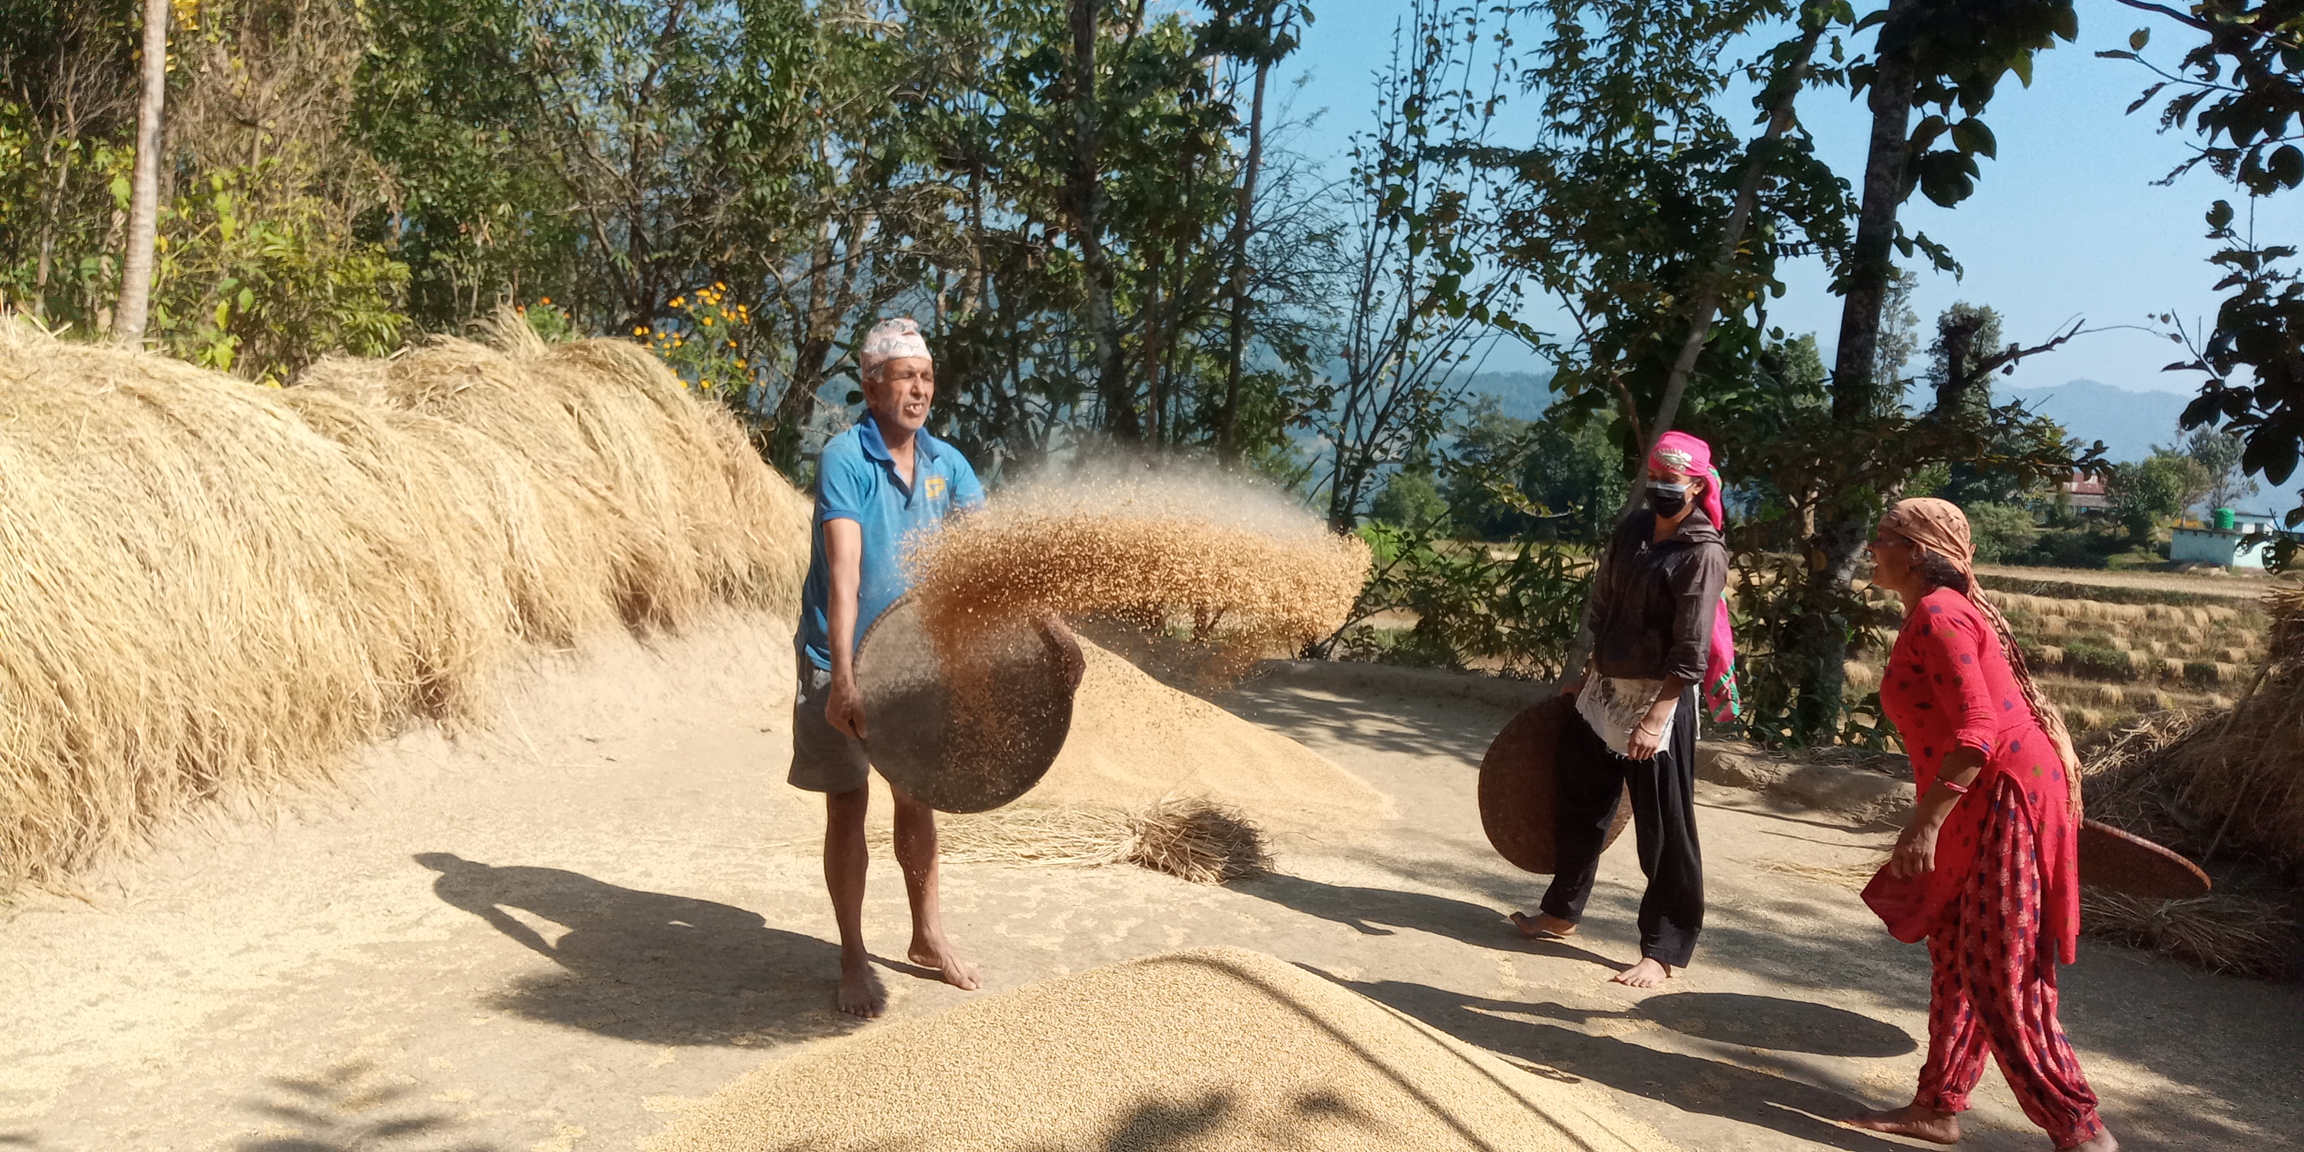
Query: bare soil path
point(554, 935)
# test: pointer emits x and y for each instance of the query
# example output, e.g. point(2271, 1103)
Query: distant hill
point(2129, 423)
point(1522, 394)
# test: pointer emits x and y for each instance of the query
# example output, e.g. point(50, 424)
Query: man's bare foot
point(2100, 1142)
point(1648, 973)
point(861, 993)
point(1542, 924)
point(1912, 1120)
point(938, 954)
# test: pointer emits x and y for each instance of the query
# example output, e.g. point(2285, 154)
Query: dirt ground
point(557, 934)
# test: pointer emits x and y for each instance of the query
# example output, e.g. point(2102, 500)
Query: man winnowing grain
point(876, 483)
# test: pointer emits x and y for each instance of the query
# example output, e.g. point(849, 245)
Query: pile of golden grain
point(216, 589)
point(1215, 1049)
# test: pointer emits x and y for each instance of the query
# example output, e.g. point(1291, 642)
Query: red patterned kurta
point(1949, 686)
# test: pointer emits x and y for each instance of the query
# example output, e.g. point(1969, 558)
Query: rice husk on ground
point(215, 589)
point(1212, 1049)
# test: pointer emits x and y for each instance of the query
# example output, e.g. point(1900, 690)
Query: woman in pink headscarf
point(1661, 640)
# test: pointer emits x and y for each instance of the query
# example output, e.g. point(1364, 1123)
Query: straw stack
point(215, 589)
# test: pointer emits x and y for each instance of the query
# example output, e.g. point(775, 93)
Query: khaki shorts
point(824, 759)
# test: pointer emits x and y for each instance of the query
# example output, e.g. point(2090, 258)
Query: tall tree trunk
point(144, 198)
point(1819, 639)
point(1087, 195)
point(1228, 421)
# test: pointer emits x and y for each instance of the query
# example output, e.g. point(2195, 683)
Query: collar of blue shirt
point(926, 447)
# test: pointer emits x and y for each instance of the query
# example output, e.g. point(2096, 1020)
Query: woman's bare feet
point(937, 952)
point(1541, 926)
point(1912, 1120)
point(1648, 973)
point(861, 993)
point(2100, 1142)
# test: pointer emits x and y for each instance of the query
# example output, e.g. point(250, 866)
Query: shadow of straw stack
point(1188, 837)
point(215, 589)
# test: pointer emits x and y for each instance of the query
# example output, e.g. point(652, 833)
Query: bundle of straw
point(216, 589)
point(1191, 838)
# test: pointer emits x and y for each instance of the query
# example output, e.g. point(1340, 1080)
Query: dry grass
point(1191, 838)
point(213, 590)
point(2223, 933)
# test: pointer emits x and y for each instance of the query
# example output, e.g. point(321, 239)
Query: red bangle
point(1961, 789)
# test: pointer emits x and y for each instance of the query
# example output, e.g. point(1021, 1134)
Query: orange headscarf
point(1940, 527)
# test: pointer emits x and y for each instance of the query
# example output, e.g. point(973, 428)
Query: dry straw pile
point(215, 589)
point(2220, 783)
point(1189, 837)
point(1216, 1050)
point(1247, 570)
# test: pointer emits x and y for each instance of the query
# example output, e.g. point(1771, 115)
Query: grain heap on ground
point(1147, 766)
point(216, 589)
point(1247, 569)
point(1211, 1049)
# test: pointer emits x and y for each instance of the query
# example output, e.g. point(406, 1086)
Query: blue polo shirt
point(857, 480)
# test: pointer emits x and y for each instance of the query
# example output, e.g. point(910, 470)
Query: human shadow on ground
point(1690, 1083)
point(648, 966)
point(1776, 1023)
point(1379, 911)
point(348, 1108)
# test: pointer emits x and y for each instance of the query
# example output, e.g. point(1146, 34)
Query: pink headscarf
point(1687, 455)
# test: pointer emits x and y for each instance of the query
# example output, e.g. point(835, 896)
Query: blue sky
point(2066, 223)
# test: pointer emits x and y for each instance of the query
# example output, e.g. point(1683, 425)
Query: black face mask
point(1668, 500)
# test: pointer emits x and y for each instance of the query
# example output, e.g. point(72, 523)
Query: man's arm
point(844, 563)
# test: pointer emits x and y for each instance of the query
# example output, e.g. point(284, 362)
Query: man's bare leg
point(1912, 1120)
point(1648, 973)
point(1542, 924)
point(845, 862)
point(916, 854)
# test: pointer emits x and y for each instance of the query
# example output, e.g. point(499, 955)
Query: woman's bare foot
point(2100, 1142)
point(937, 953)
point(861, 993)
point(1912, 1120)
point(1541, 925)
point(1648, 973)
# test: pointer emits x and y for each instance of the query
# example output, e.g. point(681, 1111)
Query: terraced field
point(2108, 652)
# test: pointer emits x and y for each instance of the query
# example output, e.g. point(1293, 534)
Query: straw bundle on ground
point(214, 588)
point(1188, 837)
point(1212, 1049)
point(1247, 569)
point(2219, 932)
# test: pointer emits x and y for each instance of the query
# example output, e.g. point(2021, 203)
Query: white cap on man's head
point(892, 340)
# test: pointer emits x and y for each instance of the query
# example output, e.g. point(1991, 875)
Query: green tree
point(2219, 455)
point(2147, 493)
point(2240, 89)
point(1411, 499)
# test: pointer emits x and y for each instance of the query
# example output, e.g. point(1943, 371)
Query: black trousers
point(1663, 796)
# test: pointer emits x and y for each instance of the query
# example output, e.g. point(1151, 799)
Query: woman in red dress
point(1992, 844)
